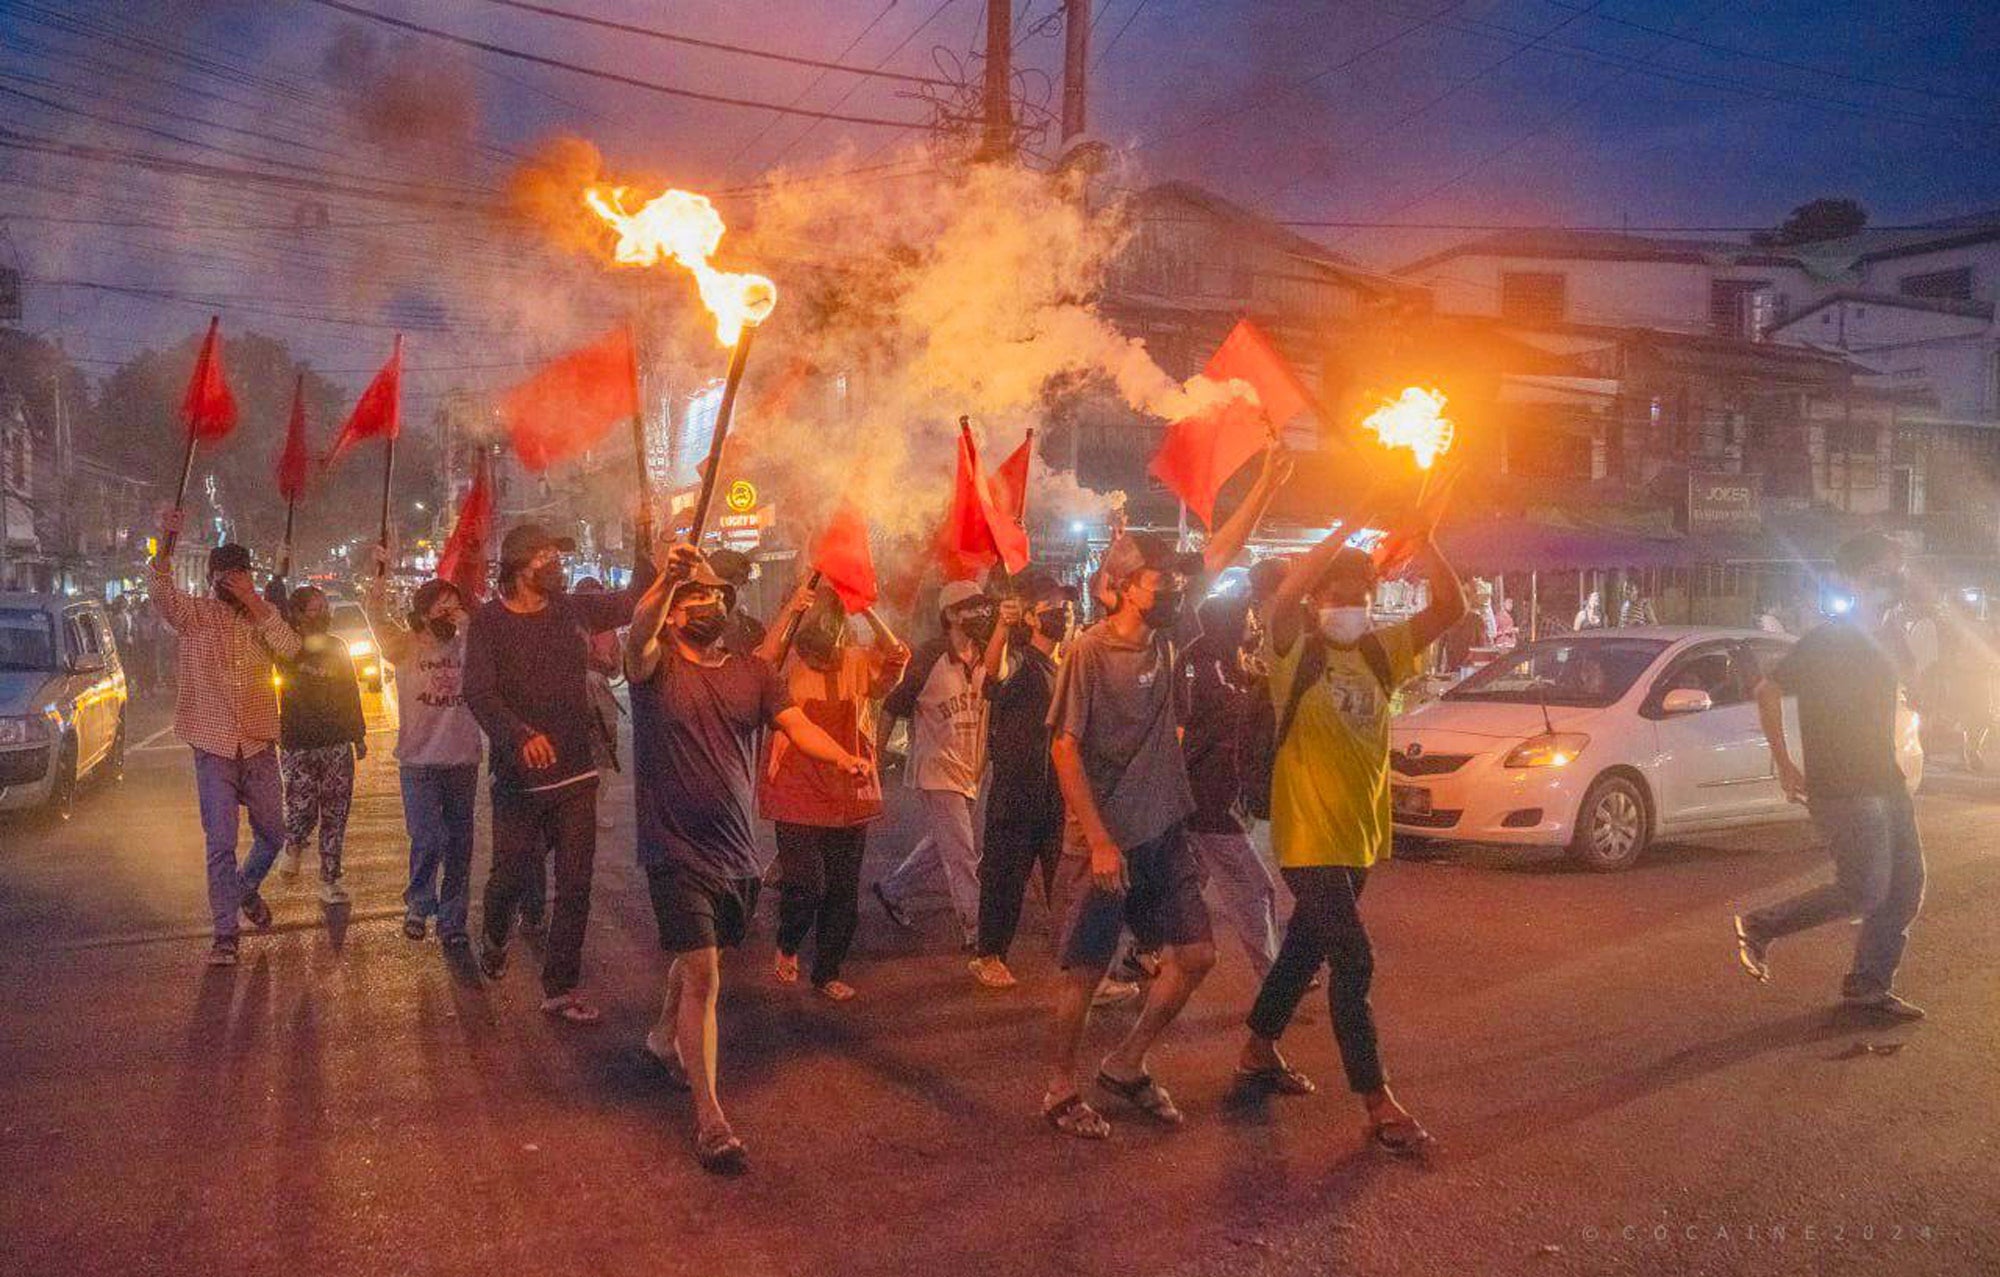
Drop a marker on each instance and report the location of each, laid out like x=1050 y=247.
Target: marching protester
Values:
x=1846 y=674
x=1126 y=861
x=1333 y=673
x=226 y=711
x=526 y=661
x=1023 y=802
x=606 y=658
x=821 y=810
x=744 y=634
x=697 y=713
x=321 y=735
x=437 y=752
x=941 y=696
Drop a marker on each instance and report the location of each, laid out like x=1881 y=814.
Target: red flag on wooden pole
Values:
x=1010 y=481
x=842 y=559
x=378 y=414
x=571 y=404
x=209 y=409
x=977 y=533
x=294 y=461
x=1201 y=452
x=463 y=560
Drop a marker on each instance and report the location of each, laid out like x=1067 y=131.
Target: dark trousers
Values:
x=819 y=890
x=1018 y=838
x=1326 y=928
x=525 y=828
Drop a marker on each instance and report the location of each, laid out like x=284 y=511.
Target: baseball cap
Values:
x=733 y=566
x=525 y=540
x=1134 y=552
x=956 y=593
x=704 y=575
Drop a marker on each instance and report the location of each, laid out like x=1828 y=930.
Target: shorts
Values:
x=698 y=911
x=1162 y=903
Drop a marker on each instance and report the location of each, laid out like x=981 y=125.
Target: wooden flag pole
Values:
x=643 y=525
x=285 y=550
x=388 y=478
x=180 y=497
x=793 y=621
x=739 y=357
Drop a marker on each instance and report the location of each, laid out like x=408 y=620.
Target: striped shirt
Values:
x=225 y=702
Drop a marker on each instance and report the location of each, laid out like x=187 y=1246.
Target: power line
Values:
x=1119 y=34
x=599 y=73
x=695 y=42
x=750 y=147
x=935 y=14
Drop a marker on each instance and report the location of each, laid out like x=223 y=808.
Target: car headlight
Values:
x=360 y=647
x=1554 y=749
x=24 y=731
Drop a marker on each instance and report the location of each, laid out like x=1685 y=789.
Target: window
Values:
x=1533 y=297
x=1740 y=308
x=1949 y=285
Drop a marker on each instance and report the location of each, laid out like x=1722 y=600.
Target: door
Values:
x=1714 y=764
x=81 y=688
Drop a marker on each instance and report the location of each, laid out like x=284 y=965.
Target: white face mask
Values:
x=1343 y=625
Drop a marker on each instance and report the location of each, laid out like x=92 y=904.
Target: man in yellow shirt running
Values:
x=1332 y=676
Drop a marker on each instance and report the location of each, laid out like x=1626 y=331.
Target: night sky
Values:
x=1703 y=113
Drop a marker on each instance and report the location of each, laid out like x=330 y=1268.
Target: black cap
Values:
x=229 y=557
x=732 y=566
x=525 y=540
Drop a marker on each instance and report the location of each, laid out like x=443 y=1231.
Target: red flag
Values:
x=378 y=414
x=1010 y=482
x=463 y=560
x=208 y=409
x=568 y=407
x=1201 y=452
x=293 y=461
x=1400 y=546
x=976 y=534
x=842 y=559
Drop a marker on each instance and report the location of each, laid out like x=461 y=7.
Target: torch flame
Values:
x=684 y=227
x=1415 y=420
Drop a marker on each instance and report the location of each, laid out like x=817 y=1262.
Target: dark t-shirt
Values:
x=1846 y=687
x=694 y=746
x=319 y=701
x=1121 y=702
x=1023 y=787
x=1218 y=705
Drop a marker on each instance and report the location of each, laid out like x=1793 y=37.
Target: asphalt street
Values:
x=1609 y=1092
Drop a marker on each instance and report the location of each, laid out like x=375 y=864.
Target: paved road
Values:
x=1611 y=1095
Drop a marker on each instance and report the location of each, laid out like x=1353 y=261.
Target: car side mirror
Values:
x=1686 y=700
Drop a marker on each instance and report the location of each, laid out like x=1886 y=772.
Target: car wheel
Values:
x=62 y=794
x=1612 y=827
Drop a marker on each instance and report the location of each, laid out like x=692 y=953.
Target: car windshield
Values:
x=27 y=639
x=1589 y=673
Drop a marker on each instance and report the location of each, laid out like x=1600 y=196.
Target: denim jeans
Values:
x=221 y=786
x=437 y=811
x=1878 y=876
x=526 y=826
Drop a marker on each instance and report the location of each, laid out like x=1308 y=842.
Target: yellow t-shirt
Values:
x=1330 y=780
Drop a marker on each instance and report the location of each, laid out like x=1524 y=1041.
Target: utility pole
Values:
x=999 y=139
x=1076 y=67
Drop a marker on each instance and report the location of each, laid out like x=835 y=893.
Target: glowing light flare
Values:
x=1415 y=420
x=684 y=228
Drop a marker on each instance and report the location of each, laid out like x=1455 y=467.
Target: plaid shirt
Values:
x=225 y=703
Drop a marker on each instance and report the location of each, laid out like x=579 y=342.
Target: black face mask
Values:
x=1053 y=625
x=551 y=579
x=1019 y=633
x=1165 y=607
x=978 y=626
x=442 y=628
x=703 y=625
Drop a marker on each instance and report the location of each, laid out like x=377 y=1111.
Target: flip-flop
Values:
x=1402 y=1136
x=720 y=1152
x=1146 y=1095
x=1279 y=1079
x=669 y=1060
x=1076 y=1119
x=835 y=990
x=571 y=1009
x=785 y=968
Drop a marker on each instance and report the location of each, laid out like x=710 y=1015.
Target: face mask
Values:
x=1166 y=605
x=1343 y=625
x=551 y=579
x=442 y=628
x=1053 y=625
x=978 y=626
x=703 y=625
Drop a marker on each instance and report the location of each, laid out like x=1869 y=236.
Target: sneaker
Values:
x=1753 y=951
x=332 y=893
x=256 y=910
x=288 y=864
x=1112 y=992
x=414 y=927
x=893 y=910
x=1886 y=1005
x=492 y=961
x=223 y=952
x=992 y=973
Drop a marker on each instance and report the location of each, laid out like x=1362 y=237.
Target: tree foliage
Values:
x=1817 y=221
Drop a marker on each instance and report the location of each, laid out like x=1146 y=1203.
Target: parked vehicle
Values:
x=1602 y=742
x=62 y=701
x=350 y=625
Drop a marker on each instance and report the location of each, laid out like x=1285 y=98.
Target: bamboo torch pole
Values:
x=713 y=470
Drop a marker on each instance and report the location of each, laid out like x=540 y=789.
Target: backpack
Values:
x=1266 y=729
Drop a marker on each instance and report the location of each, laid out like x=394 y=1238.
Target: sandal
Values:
x=1402 y=1135
x=720 y=1152
x=571 y=1008
x=668 y=1057
x=1279 y=1079
x=785 y=967
x=1075 y=1118
x=1146 y=1095
x=835 y=990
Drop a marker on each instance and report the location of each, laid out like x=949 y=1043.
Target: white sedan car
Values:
x=1600 y=742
